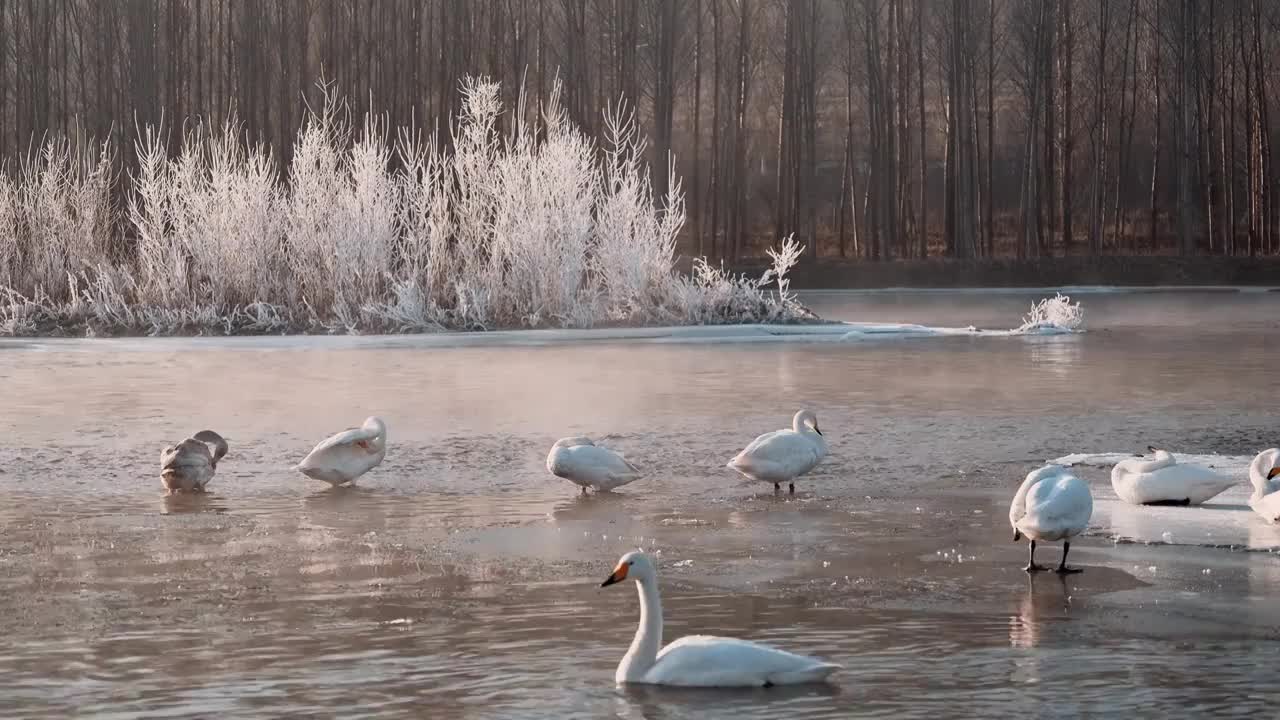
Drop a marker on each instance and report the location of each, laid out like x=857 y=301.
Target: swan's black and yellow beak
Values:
x=1151 y=448
x=815 y=429
x=1274 y=472
x=1017 y=535
x=619 y=574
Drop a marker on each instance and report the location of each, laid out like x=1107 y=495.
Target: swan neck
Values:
x=1018 y=508
x=1258 y=470
x=643 y=652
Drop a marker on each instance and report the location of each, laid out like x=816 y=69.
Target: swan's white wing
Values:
x=710 y=661
x=344 y=456
x=346 y=437
x=576 y=440
x=1057 y=507
x=188 y=453
x=754 y=445
x=592 y=465
x=601 y=459
x=778 y=456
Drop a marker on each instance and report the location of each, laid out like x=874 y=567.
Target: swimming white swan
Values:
x=1051 y=505
x=1264 y=473
x=783 y=455
x=584 y=463
x=189 y=466
x=346 y=456
x=1164 y=481
x=700 y=660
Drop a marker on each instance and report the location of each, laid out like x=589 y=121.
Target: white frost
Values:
x=370 y=232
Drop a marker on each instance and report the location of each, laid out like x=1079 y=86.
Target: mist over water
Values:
x=461 y=580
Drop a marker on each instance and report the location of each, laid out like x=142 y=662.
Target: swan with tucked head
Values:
x=189 y=465
x=582 y=462
x=347 y=455
x=783 y=455
x=1162 y=480
x=700 y=660
x=1264 y=474
x=1052 y=504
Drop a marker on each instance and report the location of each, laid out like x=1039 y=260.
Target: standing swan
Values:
x=584 y=463
x=700 y=660
x=1051 y=505
x=1164 y=481
x=783 y=455
x=189 y=466
x=1264 y=473
x=346 y=456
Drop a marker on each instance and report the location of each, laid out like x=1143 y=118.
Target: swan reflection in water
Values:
x=654 y=702
x=199 y=502
x=1037 y=609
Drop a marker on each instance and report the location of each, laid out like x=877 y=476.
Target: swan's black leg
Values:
x=1031 y=560
x=793 y=488
x=777 y=487
x=1062 y=566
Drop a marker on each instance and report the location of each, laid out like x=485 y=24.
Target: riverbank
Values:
x=1131 y=271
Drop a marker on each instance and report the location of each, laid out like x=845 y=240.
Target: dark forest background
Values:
x=874 y=129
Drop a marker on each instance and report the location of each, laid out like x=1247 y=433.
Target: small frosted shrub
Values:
x=1055 y=313
x=55 y=217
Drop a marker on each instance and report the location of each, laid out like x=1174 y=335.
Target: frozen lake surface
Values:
x=460 y=580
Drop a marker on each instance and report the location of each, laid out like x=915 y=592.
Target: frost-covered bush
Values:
x=1056 y=313
x=537 y=227
x=55 y=218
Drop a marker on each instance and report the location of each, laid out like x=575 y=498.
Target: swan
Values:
x=1264 y=473
x=783 y=455
x=347 y=455
x=1164 y=481
x=189 y=466
x=1052 y=504
x=700 y=660
x=582 y=462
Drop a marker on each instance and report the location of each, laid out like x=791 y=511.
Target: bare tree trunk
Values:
x=811 y=131
x=1099 y=139
x=1125 y=130
x=1186 y=203
x=991 y=126
x=716 y=95
x=743 y=94
x=786 y=121
x=696 y=199
x=1065 y=140
x=923 y=240
x=1155 y=138
x=664 y=93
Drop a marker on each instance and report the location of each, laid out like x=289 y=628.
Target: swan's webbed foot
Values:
x=1033 y=568
x=792 y=487
x=777 y=487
